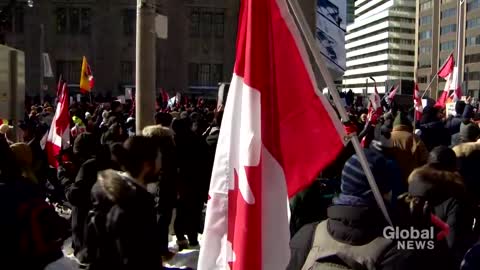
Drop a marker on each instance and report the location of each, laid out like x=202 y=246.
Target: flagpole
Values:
x=430 y=84
x=436 y=75
x=310 y=40
x=459 y=42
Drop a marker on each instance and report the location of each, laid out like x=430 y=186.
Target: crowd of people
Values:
x=122 y=189
x=426 y=172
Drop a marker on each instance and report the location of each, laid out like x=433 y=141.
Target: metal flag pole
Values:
x=459 y=42
x=430 y=84
x=314 y=49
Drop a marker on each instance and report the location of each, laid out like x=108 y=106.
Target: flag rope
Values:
x=307 y=34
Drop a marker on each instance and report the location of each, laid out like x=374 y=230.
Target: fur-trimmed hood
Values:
x=466 y=149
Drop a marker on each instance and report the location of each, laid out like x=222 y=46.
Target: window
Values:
x=475 y=75
x=472 y=58
x=473 y=4
x=61 y=20
x=217 y=73
x=422 y=79
x=424 y=63
x=448 y=29
x=13 y=22
x=473 y=23
x=472 y=41
x=195 y=22
x=448 y=13
x=425 y=35
x=129 y=20
x=219 y=21
x=447 y=46
x=73 y=20
x=85 y=21
x=205 y=74
x=426 y=5
x=18 y=19
x=206 y=23
x=446 y=1
x=69 y=70
x=127 y=71
x=424 y=49
x=426 y=20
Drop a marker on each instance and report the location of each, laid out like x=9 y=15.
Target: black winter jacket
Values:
x=130 y=240
x=78 y=195
x=358 y=226
x=435 y=134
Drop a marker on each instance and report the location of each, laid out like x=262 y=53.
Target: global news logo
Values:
x=415 y=239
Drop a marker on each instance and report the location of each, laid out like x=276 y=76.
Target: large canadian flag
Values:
x=59 y=135
x=277 y=134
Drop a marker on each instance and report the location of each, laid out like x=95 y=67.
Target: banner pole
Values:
x=314 y=49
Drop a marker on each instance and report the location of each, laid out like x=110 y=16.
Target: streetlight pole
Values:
x=145 y=65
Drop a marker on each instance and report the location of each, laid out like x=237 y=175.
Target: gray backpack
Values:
x=329 y=254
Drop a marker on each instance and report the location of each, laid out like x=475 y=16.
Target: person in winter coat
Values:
x=453 y=121
x=122 y=231
x=167 y=188
x=468 y=156
x=78 y=188
x=352 y=236
x=24 y=158
x=469 y=132
x=445 y=193
x=194 y=182
x=408 y=149
x=31 y=232
x=433 y=131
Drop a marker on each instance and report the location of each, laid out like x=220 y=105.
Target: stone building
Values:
x=198 y=53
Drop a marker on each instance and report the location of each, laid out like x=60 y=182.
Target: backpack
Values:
x=40 y=232
x=329 y=254
x=94 y=233
x=100 y=250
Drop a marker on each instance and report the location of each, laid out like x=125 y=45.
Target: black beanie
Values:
x=402 y=119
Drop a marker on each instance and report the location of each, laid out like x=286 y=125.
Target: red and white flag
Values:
x=447 y=67
x=447 y=72
x=417 y=102
x=59 y=135
x=375 y=109
x=268 y=150
x=391 y=94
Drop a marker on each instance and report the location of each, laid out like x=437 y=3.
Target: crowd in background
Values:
x=122 y=189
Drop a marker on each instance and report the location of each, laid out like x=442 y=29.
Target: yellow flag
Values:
x=86 y=77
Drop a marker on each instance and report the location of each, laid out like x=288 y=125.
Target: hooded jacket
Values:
x=129 y=237
x=352 y=225
x=468 y=158
x=446 y=194
x=408 y=150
